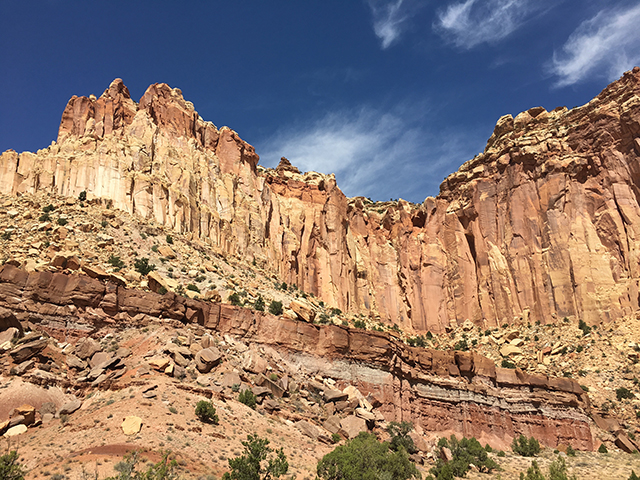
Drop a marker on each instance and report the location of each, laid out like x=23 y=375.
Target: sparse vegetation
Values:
x=163 y=470
x=365 y=458
x=193 y=288
x=206 y=412
x=259 y=304
x=169 y=239
x=507 y=363
x=526 y=447
x=143 y=266
x=624 y=393
x=248 y=398
x=10 y=469
x=465 y=452
x=83 y=196
x=275 y=308
x=586 y=329
x=116 y=262
x=252 y=466
x=234 y=299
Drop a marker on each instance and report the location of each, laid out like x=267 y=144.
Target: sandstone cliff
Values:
x=543 y=224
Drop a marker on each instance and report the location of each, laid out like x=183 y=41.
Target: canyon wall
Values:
x=544 y=224
x=441 y=392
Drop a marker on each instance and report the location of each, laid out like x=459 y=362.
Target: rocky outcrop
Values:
x=440 y=391
x=543 y=224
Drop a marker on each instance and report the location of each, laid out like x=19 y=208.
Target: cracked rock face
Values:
x=543 y=224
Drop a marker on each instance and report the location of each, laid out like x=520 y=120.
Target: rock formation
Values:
x=543 y=224
x=439 y=391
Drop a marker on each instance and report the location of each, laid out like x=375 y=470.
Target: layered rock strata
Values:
x=543 y=224
x=440 y=391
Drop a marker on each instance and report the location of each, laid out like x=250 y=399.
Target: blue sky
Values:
x=391 y=96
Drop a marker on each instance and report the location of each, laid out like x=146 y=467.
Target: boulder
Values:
x=253 y=362
x=508 y=350
x=17 y=430
x=331 y=395
x=353 y=425
x=308 y=429
x=28 y=412
x=75 y=363
x=26 y=351
x=303 y=311
x=230 y=379
x=70 y=407
x=131 y=425
x=332 y=424
x=8 y=335
x=87 y=348
x=207 y=358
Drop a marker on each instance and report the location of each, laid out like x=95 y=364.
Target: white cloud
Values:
x=607 y=44
x=375 y=154
x=472 y=22
x=390 y=18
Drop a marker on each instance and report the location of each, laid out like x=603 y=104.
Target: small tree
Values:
x=275 y=308
x=465 y=452
x=163 y=470
x=259 y=304
x=250 y=466
x=83 y=196
x=533 y=473
x=365 y=458
x=526 y=447
x=9 y=467
x=143 y=266
x=248 y=398
x=558 y=470
x=400 y=436
x=206 y=412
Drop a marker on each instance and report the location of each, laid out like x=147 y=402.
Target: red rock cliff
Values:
x=544 y=223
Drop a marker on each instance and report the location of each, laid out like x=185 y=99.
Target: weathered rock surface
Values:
x=541 y=224
x=440 y=391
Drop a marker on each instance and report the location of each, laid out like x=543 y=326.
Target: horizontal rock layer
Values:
x=440 y=391
x=544 y=223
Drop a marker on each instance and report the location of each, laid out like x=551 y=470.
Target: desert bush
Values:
x=359 y=324
x=365 y=458
x=526 y=447
x=234 y=299
x=206 y=412
x=143 y=266
x=623 y=392
x=163 y=470
x=62 y=221
x=251 y=465
x=248 y=398
x=193 y=288
x=275 y=308
x=259 y=304
x=570 y=451
x=507 y=364
x=10 y=469
x=115 y=261
x=586 y=329
x=465 y=452
x=602 y=448
x=400 y=436
x=169 y=239
x=83 y=196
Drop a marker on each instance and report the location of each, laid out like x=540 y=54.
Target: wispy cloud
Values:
x=376 y=154
x=605 y=45
x=390 y=18
x=472 y=22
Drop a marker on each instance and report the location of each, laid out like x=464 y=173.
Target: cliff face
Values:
x=439 y=391
x=544 y=223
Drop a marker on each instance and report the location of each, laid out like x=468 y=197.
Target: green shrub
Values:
x=248 y=398
x=45 y=217
x=104 y=223
x=259 y=304
x=487 y=448
x=48 y=209
x=462 y=345
x=570 y=451
x=533 y=473
x=10 y=469
x=193 y=288
x=400 y=437
x=359 y=324
x=586 y=329
x=465 y=452
x=507 y=364
x=501 y=453
x=273 y=377
x=602 y=448
x=526 y=447
x=154 y=248
x=169 y=239
x=633 y=476
x=83 y=196
x=335 y=438
x=143 y=266
x=365 y=458
x=163 y=470
x=275 y=308
x=558 y=470
x=62 y=221
x=206 y=412
x=116 y=262
x=623 y=392
x=234 y=299
x=250 y=466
